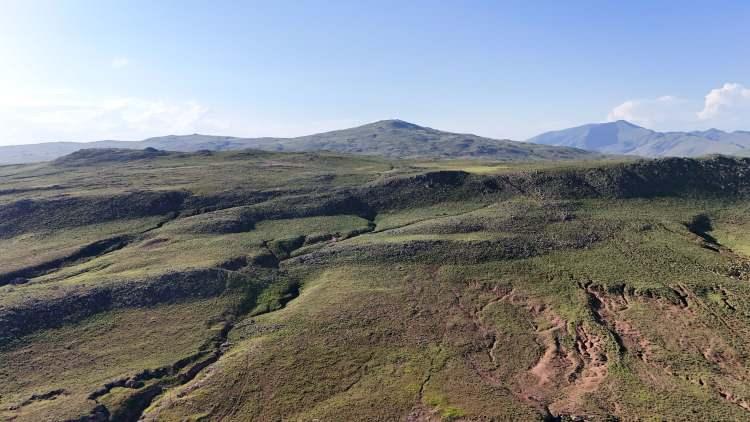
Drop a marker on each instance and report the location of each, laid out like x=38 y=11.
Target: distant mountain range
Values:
x=388 y=138
x=622 y=137
x=399 y=139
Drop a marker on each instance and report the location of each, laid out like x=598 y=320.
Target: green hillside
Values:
x=252 y=285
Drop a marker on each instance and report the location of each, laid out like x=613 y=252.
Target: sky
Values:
x=91 y=70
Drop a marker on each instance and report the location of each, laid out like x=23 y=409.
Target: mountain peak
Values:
x=395 y=138
x=626 y=124
x=713 y=132
x=395 y=124
x=623 y=137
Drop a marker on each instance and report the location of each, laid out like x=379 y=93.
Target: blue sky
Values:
x=89 y=70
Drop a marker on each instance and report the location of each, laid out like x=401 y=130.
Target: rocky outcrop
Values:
x=91 y=250
x=50 y=214
x=96 y=156
x=75 y=306
x=716 y=176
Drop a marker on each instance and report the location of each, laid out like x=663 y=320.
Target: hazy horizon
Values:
x=334 y=129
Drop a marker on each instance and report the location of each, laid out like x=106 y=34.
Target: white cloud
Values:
x=726 y=108
x=653 y=112
x=66 y=115
x=732 y=100
x=119 y=62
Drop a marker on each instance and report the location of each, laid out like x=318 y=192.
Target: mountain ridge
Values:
x=393 y=139
x=623 y=137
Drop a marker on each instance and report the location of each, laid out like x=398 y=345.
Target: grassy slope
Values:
x=404 y=329
x=508 y=308
x=80 y=358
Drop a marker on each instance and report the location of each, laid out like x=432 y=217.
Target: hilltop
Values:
x=399 y=139
x=387 y=138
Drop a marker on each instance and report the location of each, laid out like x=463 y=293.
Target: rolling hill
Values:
x=387 y=138
x=622 y=137
x=262 y=286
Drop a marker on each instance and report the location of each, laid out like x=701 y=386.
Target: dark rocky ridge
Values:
x=94 y=156
x=76 y=306
x=717 y=176
x=26 y=215
x=91 y=250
